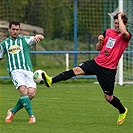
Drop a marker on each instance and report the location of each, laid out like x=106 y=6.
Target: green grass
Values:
x=74 y=106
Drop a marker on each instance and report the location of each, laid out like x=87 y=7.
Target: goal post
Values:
x=120 y=65
x=125 y=67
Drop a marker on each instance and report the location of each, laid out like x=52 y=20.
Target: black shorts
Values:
x=105 y=76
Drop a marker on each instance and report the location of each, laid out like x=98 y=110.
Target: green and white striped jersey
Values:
x=18 y=52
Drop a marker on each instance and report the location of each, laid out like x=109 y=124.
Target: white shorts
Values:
x=22 y=77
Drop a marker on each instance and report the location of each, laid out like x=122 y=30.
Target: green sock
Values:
x=17 y=107
x=27 y=104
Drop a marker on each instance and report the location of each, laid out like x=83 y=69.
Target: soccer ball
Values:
x=37 y=76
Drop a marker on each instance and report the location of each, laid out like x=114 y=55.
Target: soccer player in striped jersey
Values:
x=111 y=45
x=17 y=49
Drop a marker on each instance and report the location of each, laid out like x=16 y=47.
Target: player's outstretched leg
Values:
x=10 y=116
x=122 y=117
x=47 y=79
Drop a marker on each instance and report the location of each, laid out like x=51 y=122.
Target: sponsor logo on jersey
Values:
x=14 y=49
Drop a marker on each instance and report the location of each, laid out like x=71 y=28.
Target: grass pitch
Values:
x=74 y=106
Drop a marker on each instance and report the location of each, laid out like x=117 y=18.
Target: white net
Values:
x=128 y=56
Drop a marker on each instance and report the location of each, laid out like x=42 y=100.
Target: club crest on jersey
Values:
x=14 y=49
x=110 y=43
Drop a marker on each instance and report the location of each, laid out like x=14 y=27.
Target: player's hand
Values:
x=120 y=14
x=38 y=38
x=100 y=38
x=100 y=41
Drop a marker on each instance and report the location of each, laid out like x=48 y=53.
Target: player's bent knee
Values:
x=78 y=71
x=31 y=93
x=31 y=96
x=108 y=97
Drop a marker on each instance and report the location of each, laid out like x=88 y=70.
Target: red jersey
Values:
x=114 y=45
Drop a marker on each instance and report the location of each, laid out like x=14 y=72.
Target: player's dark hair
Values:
x=124 y=18
x=15 y=22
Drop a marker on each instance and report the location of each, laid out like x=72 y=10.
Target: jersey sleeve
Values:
x=1 y=52
x=30 y=40
x=104 y=33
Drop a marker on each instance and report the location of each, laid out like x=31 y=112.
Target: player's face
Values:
x=14 y=31
x=116 y=25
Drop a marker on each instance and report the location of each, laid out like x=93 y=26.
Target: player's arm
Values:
x=38 y=38
x=1 y=53
x=99 y=44
x=122 y=26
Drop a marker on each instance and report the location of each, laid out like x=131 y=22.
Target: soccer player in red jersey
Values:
x=111 y=45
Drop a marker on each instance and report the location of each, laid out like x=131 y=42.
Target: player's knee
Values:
x=108 y=97
x=23 y=90
x=78 y=71
x=31 y=95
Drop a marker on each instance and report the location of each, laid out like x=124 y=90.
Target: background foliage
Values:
x=57 y=16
